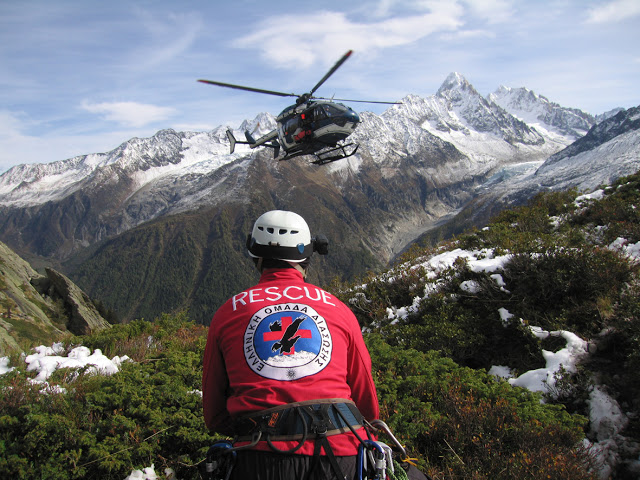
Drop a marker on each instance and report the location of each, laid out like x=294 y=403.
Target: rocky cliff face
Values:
x=609 y=150
x=36 y=307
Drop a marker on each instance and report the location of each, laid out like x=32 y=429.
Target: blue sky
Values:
x=79 y=77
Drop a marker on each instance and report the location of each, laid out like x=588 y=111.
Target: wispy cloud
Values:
x=614 y=11
x=129 y=114
x=12 y=139
x=18 y=146
x=166 y=37
x=492 y=11
x=293 y=40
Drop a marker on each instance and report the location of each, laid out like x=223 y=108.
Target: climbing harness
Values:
x=300 y=421
x=314 y=420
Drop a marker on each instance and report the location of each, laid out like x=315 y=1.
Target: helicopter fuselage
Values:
x=315 y=125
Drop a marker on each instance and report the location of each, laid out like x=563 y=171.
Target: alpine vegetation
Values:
x=509 y=352
x=544 y=298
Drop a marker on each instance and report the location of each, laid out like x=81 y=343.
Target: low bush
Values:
x=567 y=288
x=463 y=423
x=83 y=426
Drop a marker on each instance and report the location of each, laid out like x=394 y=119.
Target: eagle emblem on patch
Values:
x=287 y=341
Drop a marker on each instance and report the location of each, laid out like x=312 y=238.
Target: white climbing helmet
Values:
x=280 y=235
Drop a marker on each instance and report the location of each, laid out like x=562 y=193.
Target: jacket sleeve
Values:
x=214 y=386
x=359 y=378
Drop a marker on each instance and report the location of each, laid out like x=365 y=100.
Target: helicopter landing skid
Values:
x=337 y=153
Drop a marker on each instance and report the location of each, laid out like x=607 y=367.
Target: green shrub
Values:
x=463 y=423
x=567 y=288
x=103 y=427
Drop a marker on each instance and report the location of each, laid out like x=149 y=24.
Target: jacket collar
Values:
x=281 y=274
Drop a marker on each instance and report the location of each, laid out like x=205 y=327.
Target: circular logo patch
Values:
x=287 y=341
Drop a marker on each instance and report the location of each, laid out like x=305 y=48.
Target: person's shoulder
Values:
x=231 y=304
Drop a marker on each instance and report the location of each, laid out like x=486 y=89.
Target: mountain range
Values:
x=159 y=223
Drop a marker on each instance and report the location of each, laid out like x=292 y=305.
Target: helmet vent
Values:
x=282 y=235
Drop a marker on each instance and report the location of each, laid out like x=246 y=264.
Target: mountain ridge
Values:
x=185 y=150
x=419 y=163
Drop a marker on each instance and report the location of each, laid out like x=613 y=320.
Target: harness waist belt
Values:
x=295 y=421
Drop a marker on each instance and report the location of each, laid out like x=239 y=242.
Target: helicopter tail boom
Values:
x=253 y=143
x=272 y=135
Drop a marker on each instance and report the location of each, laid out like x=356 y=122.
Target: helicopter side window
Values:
x=307 y=117
x=320 y=113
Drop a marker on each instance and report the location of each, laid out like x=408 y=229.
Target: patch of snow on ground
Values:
x=543 y=379
x=607 y=421
x=4 y=365
x=45 y=361
x=500 y=371
x=149 y=473
x=595 y=195
x=621 y=244
x=505 y=316
x=478 y=261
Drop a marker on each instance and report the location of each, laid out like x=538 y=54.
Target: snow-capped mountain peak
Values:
x=490 y=131
x=542 y=114
x=262 y=124
x=456 y=87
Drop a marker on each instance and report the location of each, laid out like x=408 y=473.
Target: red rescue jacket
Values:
x=285 y=341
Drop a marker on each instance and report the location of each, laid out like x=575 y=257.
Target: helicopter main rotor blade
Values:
x=359 y=101
x=249 y=89
x=332 y=71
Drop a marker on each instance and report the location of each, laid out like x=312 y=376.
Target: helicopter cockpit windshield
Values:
x=326 y=111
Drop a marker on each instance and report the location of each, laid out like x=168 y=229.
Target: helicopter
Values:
x=312 y=126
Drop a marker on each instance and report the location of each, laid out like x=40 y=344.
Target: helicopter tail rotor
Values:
x=233 y=141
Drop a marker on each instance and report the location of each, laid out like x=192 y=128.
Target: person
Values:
x=286 y=370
